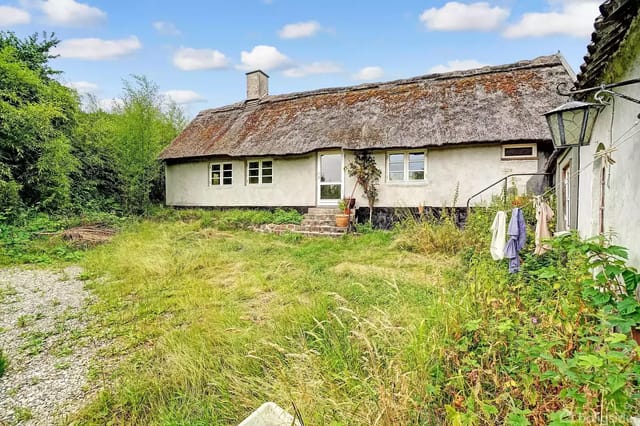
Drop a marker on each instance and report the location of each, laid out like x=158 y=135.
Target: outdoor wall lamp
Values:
x=571 y=124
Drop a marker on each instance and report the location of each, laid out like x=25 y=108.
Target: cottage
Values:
x=598 y=183
x=431 y=136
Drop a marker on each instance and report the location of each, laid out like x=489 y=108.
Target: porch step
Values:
x=323 y=211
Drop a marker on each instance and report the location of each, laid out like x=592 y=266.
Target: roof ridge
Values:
x=538 y=62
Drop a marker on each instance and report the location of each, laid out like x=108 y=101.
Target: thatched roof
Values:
x=486 y=105
x=611 y=28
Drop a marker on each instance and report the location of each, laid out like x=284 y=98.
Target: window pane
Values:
x=227 y=174
x=227 y=166
x=253 y=179
x=396 y=167
x=416 y=175
x=254 y=165
x=253 y=172
x=525 y=151
x=215 y=179
x=396 y=176
x=416 y=166
x=330 y=192
x=396 y=158
x=215 y=167
x=266 y=164
x=227 y=181
x=267 y=172
x=331 y=168
x=267 y=179
x=416 y=157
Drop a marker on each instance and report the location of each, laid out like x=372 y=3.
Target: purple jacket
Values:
x=517 y=232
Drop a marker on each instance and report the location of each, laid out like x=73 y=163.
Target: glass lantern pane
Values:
x=572 y=121
x=552 y=120
x=591 y=119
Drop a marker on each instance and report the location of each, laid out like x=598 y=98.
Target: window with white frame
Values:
x=221 y=174
x=259 y=172
x=527 y=151
x=406 y=166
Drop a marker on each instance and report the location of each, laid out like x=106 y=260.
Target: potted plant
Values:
x=342 y=219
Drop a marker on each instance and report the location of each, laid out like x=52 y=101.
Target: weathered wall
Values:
x=470 y=169
x=622 y=190
x=294 y=182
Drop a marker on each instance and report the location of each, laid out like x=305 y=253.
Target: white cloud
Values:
x=83 y=87
x=573 y=18
x=457 y=65
x=313 y=68
x=183 y=97
x=188 y=59
x=299 y=30
x=166 y=28
x=10 y=16
x=96 y=49
x=109 y=105
x=263 y=58
x=455 y=16
x=72 y=13
x=369 y=73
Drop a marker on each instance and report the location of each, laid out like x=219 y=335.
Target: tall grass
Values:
x=205 y=324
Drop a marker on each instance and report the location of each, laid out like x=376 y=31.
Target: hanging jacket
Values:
x=498 y=235
x=543 y=215
x=517 y=238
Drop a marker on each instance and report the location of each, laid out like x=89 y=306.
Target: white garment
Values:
x=499 y=233
x=543 y=215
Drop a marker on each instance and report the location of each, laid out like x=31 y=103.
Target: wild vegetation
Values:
x=209 y=323
x=207 y=320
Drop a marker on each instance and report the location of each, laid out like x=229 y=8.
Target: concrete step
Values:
x=316 y=222
x=322 y=228
x=320 y=234
x=323 y=210
x=314 y=216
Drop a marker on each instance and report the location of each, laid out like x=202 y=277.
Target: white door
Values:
x=330 y=176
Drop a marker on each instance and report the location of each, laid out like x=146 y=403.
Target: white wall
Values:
x=294 y=180
x=622 y=192
x=472 y=167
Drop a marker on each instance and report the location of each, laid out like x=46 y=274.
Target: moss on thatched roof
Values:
x=487 y=105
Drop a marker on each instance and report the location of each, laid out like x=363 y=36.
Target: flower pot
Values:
x=342 y=220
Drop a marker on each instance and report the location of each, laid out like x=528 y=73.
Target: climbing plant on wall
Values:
x=364 y=168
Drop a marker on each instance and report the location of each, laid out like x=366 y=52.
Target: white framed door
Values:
x=330 y=177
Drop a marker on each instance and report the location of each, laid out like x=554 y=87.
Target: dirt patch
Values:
x=88 y=235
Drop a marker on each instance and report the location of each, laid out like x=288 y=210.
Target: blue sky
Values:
x=198 y=51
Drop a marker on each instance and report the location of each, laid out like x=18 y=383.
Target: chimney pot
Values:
x=257 y=85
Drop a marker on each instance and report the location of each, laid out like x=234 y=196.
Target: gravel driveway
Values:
x=42 y=324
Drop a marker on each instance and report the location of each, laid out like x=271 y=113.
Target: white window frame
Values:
x=222 y=177
x=405 y=174
x=260 y=169
x=533 y=156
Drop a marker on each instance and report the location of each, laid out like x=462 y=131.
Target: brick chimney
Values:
x=257 y=85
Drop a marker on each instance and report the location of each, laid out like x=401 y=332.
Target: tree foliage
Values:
x=55 y=157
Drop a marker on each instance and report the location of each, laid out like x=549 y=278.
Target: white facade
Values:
x=297 y=181
x=609 y=193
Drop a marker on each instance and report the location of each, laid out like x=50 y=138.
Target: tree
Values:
x=34 y=51
x=146 y=123
x=38 y=115
x=363 y=167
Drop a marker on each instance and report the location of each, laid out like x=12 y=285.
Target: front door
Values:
x=330 y=174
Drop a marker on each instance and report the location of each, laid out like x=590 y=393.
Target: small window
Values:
x=519 y=152
x=221 y=174
x=406 y=166
x=260 y=172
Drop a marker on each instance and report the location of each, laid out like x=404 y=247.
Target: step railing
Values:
x=504 y=182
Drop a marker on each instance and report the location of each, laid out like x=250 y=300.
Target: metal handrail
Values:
x=504 y=179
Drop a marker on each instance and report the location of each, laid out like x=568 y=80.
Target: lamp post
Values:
x=571 y=124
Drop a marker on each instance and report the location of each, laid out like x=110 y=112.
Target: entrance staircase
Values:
x=321 y=221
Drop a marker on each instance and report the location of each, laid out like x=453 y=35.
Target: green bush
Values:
x=430 y=236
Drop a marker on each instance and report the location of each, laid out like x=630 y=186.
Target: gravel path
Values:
x=42 y=323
